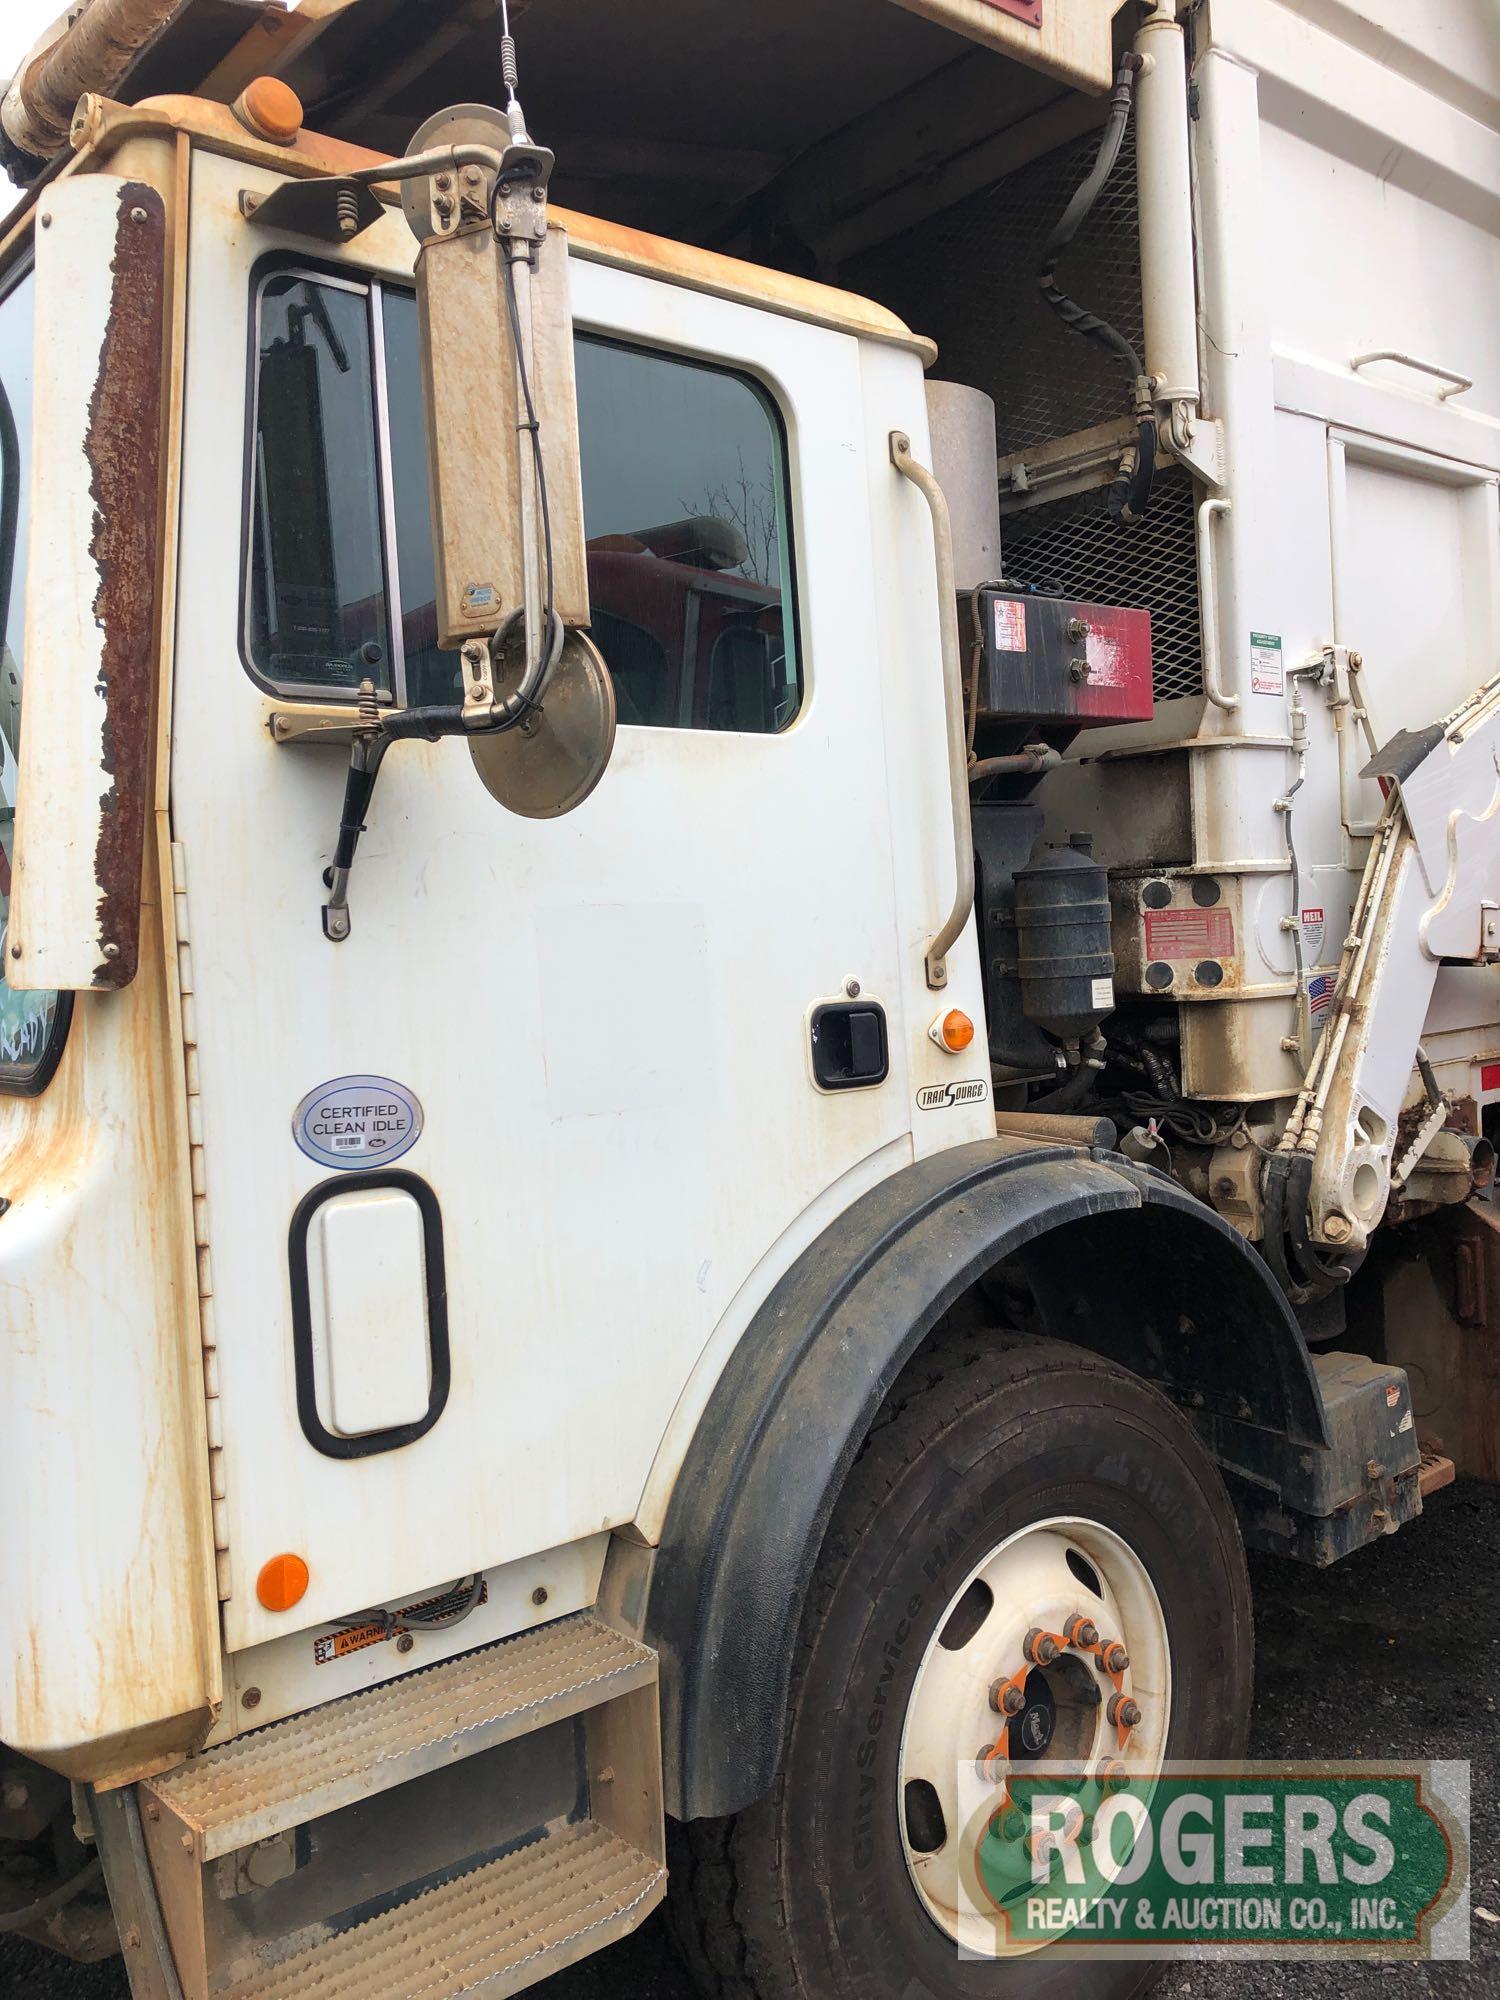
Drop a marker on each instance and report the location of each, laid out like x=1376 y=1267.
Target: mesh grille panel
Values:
x=1074 y=547
x=968 y=277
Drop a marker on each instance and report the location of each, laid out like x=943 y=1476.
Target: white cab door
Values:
x=600 y=1022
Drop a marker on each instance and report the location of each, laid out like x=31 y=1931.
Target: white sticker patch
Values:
x=1010 y=625
x=941 y=1096
x=1102 y=993
x=1314 y=927
x=1267 y=675
x=357 y=1121
x=1106 y=658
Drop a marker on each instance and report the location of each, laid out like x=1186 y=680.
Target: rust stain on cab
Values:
x=123 y=451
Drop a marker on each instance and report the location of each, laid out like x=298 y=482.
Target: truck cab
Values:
x=545 y=1297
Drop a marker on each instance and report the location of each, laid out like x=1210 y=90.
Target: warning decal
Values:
x=1010 y=625
x=1189 y=934
x=354 y=1638
x=334 y=1645
x=1266 y=671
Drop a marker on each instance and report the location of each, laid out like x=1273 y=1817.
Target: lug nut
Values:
x=1123 y=1710
x=1010 y=1824
x=1115 y=1659
x=1081 y=1631
x=991 y=1767
x=1039 y=1647
x=1006 y=1698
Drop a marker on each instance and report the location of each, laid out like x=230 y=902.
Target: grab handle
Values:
x=953 y=701
x=1457 y=383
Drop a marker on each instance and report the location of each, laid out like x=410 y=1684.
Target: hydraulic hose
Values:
x=1079 y=1086
x=1131 y=490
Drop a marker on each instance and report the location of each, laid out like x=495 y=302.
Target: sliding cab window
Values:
x=32 y=1025
x=685 y=513
x=340 y=586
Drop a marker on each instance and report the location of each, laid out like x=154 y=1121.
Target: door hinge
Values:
x=213 y=1410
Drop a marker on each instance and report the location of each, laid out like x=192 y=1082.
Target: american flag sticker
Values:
x=1319 y=993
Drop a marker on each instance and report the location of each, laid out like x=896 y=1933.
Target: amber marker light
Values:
x=952 y=1031
x=282 y=1583
x=270 y=109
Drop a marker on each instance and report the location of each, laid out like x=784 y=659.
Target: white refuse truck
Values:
x=752 y=887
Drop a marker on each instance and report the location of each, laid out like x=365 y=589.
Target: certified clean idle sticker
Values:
x=357 y=1121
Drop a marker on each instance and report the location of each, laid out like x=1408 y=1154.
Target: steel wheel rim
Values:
x=1032 y=1587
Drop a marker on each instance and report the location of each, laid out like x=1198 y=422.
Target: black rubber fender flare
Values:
x=798 y=1396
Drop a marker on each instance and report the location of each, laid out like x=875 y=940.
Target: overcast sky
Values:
x=21 y=21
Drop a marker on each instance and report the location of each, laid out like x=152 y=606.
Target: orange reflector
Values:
x=954 y=1032
x=270 y=109
x=282 y=1583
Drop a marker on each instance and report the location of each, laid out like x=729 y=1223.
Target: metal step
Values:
x=493 y=1931
x=312 y=1764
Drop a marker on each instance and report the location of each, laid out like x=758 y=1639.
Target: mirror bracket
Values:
x=331 y=210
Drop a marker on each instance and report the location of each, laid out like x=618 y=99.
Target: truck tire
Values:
x=996 y=1458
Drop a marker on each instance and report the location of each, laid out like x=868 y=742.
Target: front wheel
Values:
x=1012 y=1488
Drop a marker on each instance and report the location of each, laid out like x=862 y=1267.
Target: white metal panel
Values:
x=82 y=754
x=1415 y=556
x=1363 y=265
x=107 y=1575
x=107 y=1595
x=367 y=1292
x=624 y=1141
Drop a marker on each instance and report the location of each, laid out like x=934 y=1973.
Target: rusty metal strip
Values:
x=123 y=448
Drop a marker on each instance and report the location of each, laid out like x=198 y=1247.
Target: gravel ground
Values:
x=1394 y=1653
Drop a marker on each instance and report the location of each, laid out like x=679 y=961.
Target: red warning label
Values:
x=1189 y=934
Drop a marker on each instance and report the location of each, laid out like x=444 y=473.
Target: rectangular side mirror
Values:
x=92 y=584
x=469 y=377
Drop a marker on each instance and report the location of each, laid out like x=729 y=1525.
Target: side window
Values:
x=340 y=587
x=32 y=1025
x=318 y=612
x=685 y=511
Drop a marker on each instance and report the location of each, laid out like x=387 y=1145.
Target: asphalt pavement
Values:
x=1393 y=1653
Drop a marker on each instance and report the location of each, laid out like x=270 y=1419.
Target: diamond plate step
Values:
x=313 y=1764
x=494 y=1931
